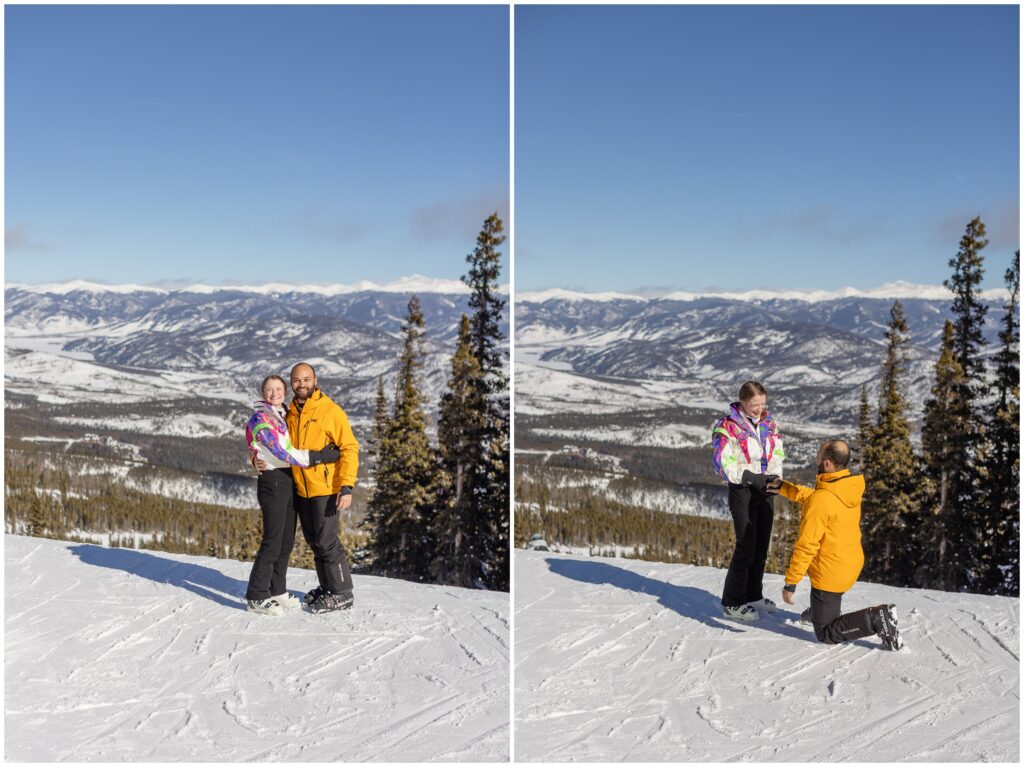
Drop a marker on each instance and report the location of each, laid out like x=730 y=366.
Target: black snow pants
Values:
x=274 y=491
x=752 y=515
x=830 y=625
x=319 y=519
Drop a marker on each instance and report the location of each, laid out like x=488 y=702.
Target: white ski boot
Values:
x=265 y=606
x=744 y=613
x=764 y=605
x=288 y=601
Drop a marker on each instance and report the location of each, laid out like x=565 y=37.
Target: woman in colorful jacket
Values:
x=266 y=433
x=748 y=455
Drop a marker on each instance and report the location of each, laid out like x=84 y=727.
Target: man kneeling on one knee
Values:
x=828 y=548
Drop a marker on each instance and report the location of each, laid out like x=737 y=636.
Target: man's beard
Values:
x=821 y=468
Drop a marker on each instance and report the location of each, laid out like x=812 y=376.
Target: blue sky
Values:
x=699 y=148
x=252 y=144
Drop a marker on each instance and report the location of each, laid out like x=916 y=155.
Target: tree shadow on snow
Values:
x=696 y=604
x=204 y=581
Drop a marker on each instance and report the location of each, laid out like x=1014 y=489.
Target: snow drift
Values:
x=623 y=660
x=124 y=655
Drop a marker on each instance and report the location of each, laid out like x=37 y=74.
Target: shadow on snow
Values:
x=696 y=604
x=204 y=581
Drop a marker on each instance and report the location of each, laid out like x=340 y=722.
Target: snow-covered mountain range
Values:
x=813 y=354
x=627 y=661
x=116 y=655
x=637 y=382
x=350 y=333
x=177 y=366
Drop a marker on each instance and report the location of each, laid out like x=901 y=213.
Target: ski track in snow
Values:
x=621 y=660
x=123 y=655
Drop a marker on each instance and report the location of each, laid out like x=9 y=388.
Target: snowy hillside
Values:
x=121 y=655
x=620 y=660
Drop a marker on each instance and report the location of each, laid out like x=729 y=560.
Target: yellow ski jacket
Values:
x=828 y=546
x=320 y=423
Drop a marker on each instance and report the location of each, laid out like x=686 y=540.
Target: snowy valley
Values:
x=616 y=394
x=154 y=384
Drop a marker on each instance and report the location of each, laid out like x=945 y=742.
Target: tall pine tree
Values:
x=864 y=428
x=944 y=564
x=401 y=507
x=965 y=491
x=462 y=530
x=891 y=470
x=491 y=466
x=1000 y=545
x=377 y=447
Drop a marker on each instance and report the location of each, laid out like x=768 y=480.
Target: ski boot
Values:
x=884 y=622
x=265 y=606
x=328 y=602
x=765 y=605
x=287 y=601
x=744 y=613
x=313 y=595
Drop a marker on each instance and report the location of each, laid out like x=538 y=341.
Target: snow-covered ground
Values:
x=122 y=655
x=631 y=661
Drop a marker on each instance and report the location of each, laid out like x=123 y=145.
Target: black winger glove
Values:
x=329 y=454
x=757 y=481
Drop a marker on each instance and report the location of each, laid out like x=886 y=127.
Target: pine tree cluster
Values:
x=949 y=517
x=440 y=514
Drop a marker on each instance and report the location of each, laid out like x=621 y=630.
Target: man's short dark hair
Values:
x=301 y=364
x=838 y=452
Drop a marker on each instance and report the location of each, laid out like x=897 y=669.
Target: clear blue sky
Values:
x=738 y=147
x=253 y=144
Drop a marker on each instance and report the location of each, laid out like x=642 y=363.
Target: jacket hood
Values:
x=848 y=488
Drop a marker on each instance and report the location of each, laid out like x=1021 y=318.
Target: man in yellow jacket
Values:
x=315 y=421
x=828 y=548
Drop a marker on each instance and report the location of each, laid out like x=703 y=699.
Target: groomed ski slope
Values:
x=622 y=660
x=123 y=655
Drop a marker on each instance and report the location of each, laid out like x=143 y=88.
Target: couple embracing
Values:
x=307 y=457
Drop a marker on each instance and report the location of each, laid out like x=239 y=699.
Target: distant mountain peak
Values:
x=888 y=291
x=415 y=283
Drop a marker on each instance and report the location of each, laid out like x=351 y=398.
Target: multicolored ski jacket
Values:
x=266 y=431
x=738 y=447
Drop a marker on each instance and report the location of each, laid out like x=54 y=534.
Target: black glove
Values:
x=770 y=486
x=332 y=507
x=329 y=454
x=756 y=481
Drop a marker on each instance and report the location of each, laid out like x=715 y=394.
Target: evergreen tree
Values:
x=968 y=310
x=38 y=514
x=487 y=340
x=1001 y=539
x=373 y=520
x=491 y=465
x=943 y=563
x=407 y=477
x=965 y=491
x=461 y=529
x=891 y=470
x=864 y=427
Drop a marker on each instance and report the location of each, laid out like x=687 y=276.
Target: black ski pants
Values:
x=752 y=515
x=830 y=625
x=319 y=519
x=275 y=492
